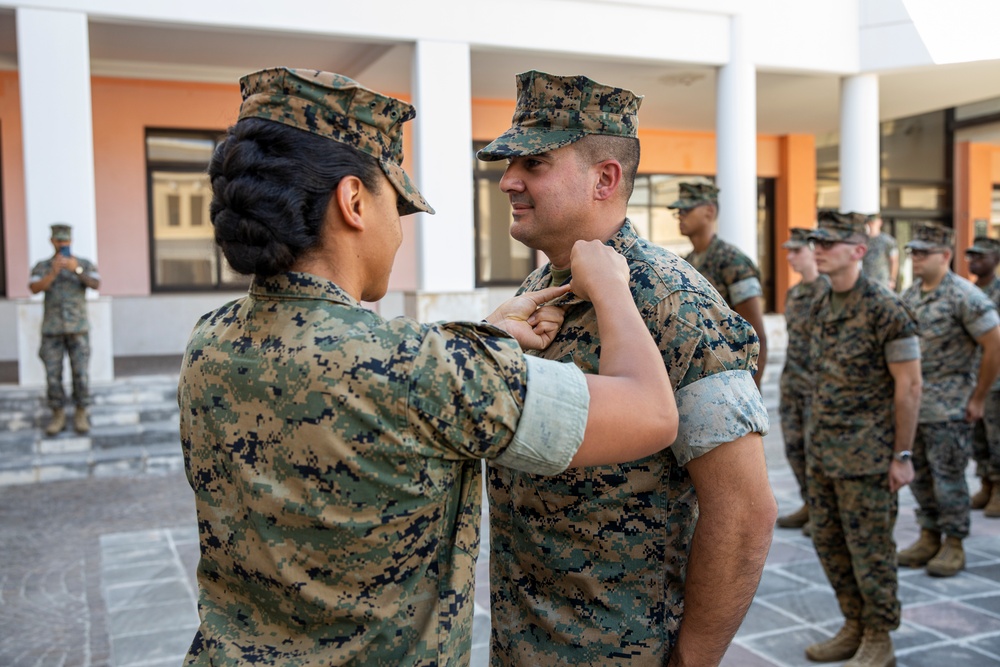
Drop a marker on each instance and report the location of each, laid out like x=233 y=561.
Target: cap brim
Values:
x=821 y=234
x=922 y=245
x=519 y=141
x=794 y=244
x=410 y=200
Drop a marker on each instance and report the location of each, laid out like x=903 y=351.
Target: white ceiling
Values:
x=676 y=96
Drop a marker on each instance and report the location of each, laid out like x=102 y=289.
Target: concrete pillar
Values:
x=736 y=144
x=53 y=59
x=860 y=183
x=442 y=94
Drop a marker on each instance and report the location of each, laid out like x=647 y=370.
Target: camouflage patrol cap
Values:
x=338 y=108
x=799 y=237
x=931 y=236
x=695 y=194
x=984 y=245
x=62 y=232
x=555 y=111
x=834 y=226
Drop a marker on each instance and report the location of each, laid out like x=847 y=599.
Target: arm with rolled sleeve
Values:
x=719 y=441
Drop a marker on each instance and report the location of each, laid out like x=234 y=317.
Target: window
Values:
x=183 y=253
x=500 y=260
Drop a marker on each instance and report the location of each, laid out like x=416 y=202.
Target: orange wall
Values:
x=977 y=168
x=15 y=228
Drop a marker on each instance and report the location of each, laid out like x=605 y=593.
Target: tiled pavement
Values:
x=101 y=572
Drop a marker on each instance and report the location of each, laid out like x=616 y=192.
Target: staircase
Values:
x=134 y=430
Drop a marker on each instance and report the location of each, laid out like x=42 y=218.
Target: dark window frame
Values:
x=152 y=166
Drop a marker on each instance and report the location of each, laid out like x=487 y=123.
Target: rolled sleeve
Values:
x=715 y=410
x=553 y=419
x=902 y=349
x=982 y=324
x=744 y=289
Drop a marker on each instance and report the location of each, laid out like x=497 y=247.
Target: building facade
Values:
x=109 y=110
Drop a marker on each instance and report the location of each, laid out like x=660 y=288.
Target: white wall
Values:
x=160 y=324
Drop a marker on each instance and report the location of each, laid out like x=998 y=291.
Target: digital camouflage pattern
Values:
x=951 y=316
x=555 y=111
x=61 y=232
x=986 y=433
x=334 y=457
x=65 y=328
x=851 y=442
x=52 y=351
x=338 y=108
x=836 y=226
x=930 y=236
x=730 y=271
x=852 y=431
x=65 y=306
x=852 y=520
x=940 y=456
x=695 y=194
x=798 y=237
x=588 y=567
x=796 y=384
x=877 y=261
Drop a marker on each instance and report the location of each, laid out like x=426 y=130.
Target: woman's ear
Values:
x=349 y=201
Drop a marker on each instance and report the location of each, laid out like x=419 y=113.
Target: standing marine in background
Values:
x=727 y=267
x=65 y=328
x=797 y=382
x=983 y=257
x=954 y=318
x=881 y=261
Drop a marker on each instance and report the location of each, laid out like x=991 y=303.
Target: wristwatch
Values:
x=903 y=456
x=79 y=270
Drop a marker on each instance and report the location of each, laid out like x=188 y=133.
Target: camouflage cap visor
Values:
x=63 y=234
x=519 y=141
x=920 y=244
x=336 y=107
x=684 y=204
x=986 y=246
x=795 y=243
x=835 y=234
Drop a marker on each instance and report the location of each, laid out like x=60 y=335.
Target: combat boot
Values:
x=875 y=651
x=950 y=560
x=58 y=422
x=841 y=646
x=81 y=421
x=921 y=551
x=981 y=497
x=992 y=508
x=796 y=519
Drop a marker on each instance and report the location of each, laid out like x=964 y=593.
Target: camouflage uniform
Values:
x=335 y=456
x=729 y=270
x=65 y=331
x=876 y=263
x=796 y=384
x=852 y=434
x=986 y=432
x=588 y=567
x=952 y=316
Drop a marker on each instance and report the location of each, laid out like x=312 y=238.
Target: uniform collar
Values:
x=622 y=242
x=852 y=303
x=294 y=285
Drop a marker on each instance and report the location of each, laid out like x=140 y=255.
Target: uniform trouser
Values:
x=852 y=523
x=986 y=439
x=940 y=457
x=793 y=409
x=77 y=346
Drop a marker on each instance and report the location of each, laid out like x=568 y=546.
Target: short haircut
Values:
x=595 y=148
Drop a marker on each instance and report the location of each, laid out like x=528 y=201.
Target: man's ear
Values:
x=609 y=177
x=349 y=202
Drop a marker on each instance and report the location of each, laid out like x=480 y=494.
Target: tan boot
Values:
x=949 y=561
x=81 y=421
x=58 y=422
x=981 y=497
x=921 y=551
x=875 y=651
x=796 y=519
x=992 y=508
x=841 y=646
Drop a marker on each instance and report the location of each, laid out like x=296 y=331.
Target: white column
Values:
x=442 y=94
x=53 y=62
x=860 y=182
x=736 y=144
